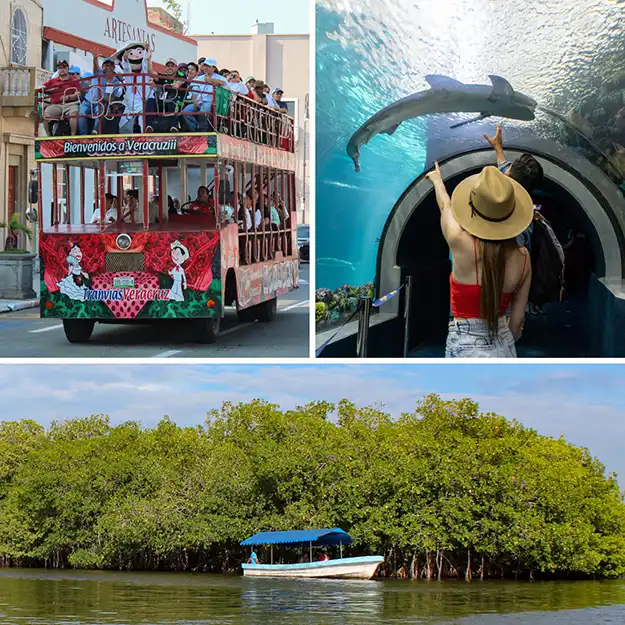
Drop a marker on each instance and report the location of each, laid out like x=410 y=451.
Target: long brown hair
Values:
x=494 y=255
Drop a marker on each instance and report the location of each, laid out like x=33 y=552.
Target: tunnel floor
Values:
x=562 y=331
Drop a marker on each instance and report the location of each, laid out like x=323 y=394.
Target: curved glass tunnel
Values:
x=382 y=224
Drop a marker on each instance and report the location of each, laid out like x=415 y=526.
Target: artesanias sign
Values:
x=89 y=24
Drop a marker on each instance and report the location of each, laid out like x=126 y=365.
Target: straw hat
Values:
x=492 y=206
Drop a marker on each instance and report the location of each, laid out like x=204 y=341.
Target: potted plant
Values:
x=16 y=265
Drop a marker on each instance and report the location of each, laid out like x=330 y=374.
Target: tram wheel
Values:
x=247 y=315
x=267 y=311
x=205 y=330
x=78 y=330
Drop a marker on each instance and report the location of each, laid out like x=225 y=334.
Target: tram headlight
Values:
x=123 y=242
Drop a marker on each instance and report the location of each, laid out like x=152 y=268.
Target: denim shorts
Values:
x=468 y=338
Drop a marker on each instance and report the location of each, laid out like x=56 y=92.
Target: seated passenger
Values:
x=64 y=95
x=211 y=80
x=227 y=211
x=190 y=98
x=111 y=211
x=132 y=213
x=161 y=106
x=203 y=204
x=235 y=84
x=102 y=101
x=253 y=559
x=245 y=213
x=277 y=98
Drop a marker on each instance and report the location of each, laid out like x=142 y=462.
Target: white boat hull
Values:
x=345 y=568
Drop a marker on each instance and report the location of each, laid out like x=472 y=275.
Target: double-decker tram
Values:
x=167 y=224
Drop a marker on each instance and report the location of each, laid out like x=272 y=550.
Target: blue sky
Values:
x=235 y=17
x=584 y=403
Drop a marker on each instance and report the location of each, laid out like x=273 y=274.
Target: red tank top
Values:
x=465 y=298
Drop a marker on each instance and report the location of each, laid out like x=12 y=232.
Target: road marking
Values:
x=304 y=282
x=303 y=303
x=168 y=353
x=235 y=329
x=46 y=329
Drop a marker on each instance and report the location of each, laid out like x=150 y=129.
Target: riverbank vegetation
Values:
x=441 y=492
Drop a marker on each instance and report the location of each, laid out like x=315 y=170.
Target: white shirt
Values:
x=237 y=87
x=206 y=94
x=270 y=100
x=109 y=217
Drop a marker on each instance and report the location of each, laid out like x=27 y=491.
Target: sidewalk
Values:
x=10 y=305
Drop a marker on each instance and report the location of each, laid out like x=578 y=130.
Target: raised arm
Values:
x=450 y=227
x=497 y=145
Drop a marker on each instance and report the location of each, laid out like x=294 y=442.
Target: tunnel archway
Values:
x=575 y=195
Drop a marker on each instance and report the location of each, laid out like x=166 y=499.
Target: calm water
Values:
x=370 y=53
x=63 y=598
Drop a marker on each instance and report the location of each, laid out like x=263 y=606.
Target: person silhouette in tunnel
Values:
x=526 y=170
x=491 y=271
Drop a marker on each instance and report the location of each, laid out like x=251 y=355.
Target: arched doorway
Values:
x=576 y=196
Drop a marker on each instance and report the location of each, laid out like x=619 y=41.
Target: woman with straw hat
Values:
x=491 y=271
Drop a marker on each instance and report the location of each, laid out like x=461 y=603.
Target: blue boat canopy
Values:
x=325 y=537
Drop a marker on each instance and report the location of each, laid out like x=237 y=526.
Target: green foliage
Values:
x=15 y=226
x=174 y=7
x=320 y=311
x=442 y=491
x=340 y=303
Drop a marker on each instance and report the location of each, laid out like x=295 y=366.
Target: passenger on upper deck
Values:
x=164 y=99
x=190 y=98
x=235 y=84
x=100 y=100
x=207 y=89
x=135 y=58
x=64 y=94
x=277 y=97
x=259 y=90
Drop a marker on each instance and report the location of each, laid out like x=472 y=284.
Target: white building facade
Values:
x=280 y=61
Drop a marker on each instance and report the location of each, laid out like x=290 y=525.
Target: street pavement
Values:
x=24 y=335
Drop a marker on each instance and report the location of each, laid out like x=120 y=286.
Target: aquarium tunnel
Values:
x=382 y=224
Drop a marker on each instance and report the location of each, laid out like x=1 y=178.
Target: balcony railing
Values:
x=135 y=103
x=19 y=84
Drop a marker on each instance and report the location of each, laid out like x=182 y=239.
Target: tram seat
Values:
x=207 y=222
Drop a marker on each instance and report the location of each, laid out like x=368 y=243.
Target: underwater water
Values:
x=371 y=53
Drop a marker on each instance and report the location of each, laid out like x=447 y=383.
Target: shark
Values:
x=445 y=95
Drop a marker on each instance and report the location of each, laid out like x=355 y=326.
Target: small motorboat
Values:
x=362 y=567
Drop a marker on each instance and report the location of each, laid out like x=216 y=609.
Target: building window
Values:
x=292 y=107
x=19 y=37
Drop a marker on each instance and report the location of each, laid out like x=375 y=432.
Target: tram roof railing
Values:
x=140 y=101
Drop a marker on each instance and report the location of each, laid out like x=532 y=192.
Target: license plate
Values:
x=124 y=283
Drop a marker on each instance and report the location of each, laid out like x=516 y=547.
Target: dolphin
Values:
x=445 y=95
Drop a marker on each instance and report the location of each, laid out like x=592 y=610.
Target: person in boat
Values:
x=324 y=557
x=253 y=559
x=491 y=272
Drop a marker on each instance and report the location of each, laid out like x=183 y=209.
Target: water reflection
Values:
x=83 y=598
x=566 y=55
